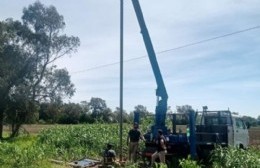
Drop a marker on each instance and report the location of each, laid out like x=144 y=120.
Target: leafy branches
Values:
x=28 y=51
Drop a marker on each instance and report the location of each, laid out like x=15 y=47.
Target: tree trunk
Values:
x=15 y=130
x=1 y=122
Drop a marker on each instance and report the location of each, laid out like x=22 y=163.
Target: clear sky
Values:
x=221 y=73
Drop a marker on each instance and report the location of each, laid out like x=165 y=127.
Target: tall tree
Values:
x=15 y=64
x=142 y=110
x=86 y=113
x=49 y=45
x=50 y=112
x=250 y=120
x=97 y=106
x=184 y=108
x=125 y=116
x=38 y=43
x=71 y=113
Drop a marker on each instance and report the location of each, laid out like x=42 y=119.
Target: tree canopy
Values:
x=28 y=75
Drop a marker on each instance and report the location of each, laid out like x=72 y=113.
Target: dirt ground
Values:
x=254 y=136
x=31 y=128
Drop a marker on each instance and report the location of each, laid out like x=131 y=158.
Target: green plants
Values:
x=21 y=152
x=160 y=165
x=79 y=141
x=189 y=163
x=231 y=157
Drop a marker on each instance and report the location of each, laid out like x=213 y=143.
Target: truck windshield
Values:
x=216 y=118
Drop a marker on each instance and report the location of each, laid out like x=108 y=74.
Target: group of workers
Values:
x=134 y=136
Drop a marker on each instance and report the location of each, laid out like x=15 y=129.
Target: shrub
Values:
x=189 y=163
x=235 y=157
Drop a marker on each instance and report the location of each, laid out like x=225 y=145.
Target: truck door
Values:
x=241 y=137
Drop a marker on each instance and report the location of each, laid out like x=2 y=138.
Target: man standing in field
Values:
x=161 y=148
x=134 y=135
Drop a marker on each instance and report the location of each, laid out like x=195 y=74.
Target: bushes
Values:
x=189 y=163
x=21 y=153
x=235 y=157
x=229 y=158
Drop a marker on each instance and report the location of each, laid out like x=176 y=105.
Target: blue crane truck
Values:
x=206 y=128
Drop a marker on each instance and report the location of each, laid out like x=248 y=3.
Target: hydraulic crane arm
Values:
x=161 y=93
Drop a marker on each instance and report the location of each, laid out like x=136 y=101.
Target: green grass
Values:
x=5 y=134
x=21 y=152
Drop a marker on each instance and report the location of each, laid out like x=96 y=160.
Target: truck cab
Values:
x=241 y=136
x=221 y=127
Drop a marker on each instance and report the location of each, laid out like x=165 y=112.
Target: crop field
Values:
x=254 y=132
x=66 y=143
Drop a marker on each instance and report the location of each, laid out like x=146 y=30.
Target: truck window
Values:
x=209 y=120
x=225 y=121
x=240 y=124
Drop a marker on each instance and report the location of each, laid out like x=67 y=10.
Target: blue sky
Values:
x=222 y=73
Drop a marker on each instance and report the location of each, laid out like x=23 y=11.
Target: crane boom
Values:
x=161 y=93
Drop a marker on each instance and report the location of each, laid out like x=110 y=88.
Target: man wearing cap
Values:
x=134 y=135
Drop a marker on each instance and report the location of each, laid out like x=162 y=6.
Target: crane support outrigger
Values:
x=161 y=93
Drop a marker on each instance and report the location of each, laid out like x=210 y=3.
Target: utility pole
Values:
x=121 y=75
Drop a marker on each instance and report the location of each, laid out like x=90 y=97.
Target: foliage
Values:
x=65 y=143
x=91 y=112
x=47 y=44
x=132 y=165
x=235 y=157
x=125 y=117
x=250 y=121
x=27 y=73
x=15 y=68
x=49 y=112
x=70 y=113
x=184 y=108
x=189 y=163
x=160 y=165
x=99 y=110
x=141 y=110
x=74 y=142
x=22 y=152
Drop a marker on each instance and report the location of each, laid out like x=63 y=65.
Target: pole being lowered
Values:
x=121 y=75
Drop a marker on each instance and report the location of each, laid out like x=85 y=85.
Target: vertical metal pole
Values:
x=192 y=137
x=121 y=76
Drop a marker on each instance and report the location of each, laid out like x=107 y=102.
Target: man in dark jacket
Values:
x=134 y=135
